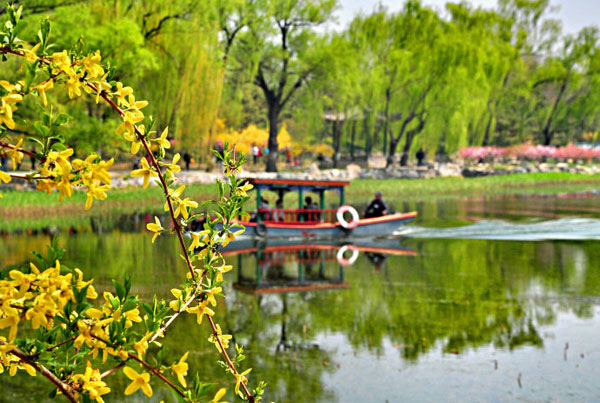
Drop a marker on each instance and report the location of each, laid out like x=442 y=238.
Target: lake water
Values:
x=486 y=300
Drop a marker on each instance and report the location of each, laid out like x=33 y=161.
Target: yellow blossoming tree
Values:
x=79 y=343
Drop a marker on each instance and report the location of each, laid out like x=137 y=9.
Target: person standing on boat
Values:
x=377 y=207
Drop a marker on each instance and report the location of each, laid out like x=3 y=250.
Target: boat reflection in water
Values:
x=278 y=266
x=272 y=269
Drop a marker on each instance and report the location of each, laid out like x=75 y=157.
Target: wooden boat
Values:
x=316 y=223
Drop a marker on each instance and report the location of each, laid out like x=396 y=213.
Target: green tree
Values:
x=560 y=81
x=285 y=59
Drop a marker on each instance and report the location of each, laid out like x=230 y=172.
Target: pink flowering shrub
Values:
x=530 y=152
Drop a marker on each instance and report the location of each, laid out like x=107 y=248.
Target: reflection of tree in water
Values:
x=277 y=324
x=457 y=294
x=278 y=330
x=475 y=293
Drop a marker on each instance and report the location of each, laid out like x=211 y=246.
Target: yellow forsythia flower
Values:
x=241 y=379
x=145 y=172
x=218 y=396
x=181 y=369
x=155 y=227
x=139 y=381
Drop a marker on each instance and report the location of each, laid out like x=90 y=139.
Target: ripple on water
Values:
x=561 y=229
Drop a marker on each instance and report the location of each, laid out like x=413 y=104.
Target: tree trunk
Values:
x=336 y=142
x=406 y=150
x=395 y=140
x=367 y=135
x=386 y=124
x=392 y=151
x=486 y=137
x=273 y=145
x=376 y=131
x=385 y=138
x=410 y=135
x=352 y=141
x=547 y=131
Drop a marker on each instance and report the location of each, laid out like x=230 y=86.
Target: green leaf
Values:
x=149 y=310
x=34 y=140
x=42 y=129
x=119 y=289
x=114 y=302
x=53 y=393
x=58 y=147
x=61 y=119
x=127 y=283
x=81 y=308
x=130 y=304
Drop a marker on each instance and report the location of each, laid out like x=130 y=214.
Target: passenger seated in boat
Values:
x=264 y=214
x=278 y=214
x=377 y=207
x=311 y=210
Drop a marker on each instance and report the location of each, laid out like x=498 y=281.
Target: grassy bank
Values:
x=27 y=209
x=488 y=186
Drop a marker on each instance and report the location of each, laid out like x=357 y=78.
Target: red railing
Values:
x=300 y=256
x=297 y=216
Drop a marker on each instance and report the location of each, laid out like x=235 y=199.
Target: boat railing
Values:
x=297 y=216
x=307 y=255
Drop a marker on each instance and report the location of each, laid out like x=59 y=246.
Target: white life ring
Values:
x=340 y=217
x=261 y=229
x=342 y=251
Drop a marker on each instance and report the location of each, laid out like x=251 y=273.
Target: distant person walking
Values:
x=255 y=153
x=420 y=156
x=377 y=207
x=187 y=158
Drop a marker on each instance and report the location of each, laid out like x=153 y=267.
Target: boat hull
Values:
x=388 y=246
x=367 y=227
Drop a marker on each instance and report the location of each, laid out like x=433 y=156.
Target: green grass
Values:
x=28 y=209
x=12 y=198
x=458 y=187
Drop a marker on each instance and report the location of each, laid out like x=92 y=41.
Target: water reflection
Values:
x=324 y=327
x=291 y=266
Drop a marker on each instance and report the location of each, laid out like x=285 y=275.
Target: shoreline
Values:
x=28 y=209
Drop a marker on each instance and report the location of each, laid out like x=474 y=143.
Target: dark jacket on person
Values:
x=375 y=208
x=313 y=213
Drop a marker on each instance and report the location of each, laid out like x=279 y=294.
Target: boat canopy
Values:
x=283 y=186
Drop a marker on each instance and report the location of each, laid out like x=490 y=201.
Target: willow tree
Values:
x=422 y=54
x=189 y=50
x=369 y=37
x=329 y=104
x=145 y=41
x=283 y=37
x=119 y=38
x=561 y=80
